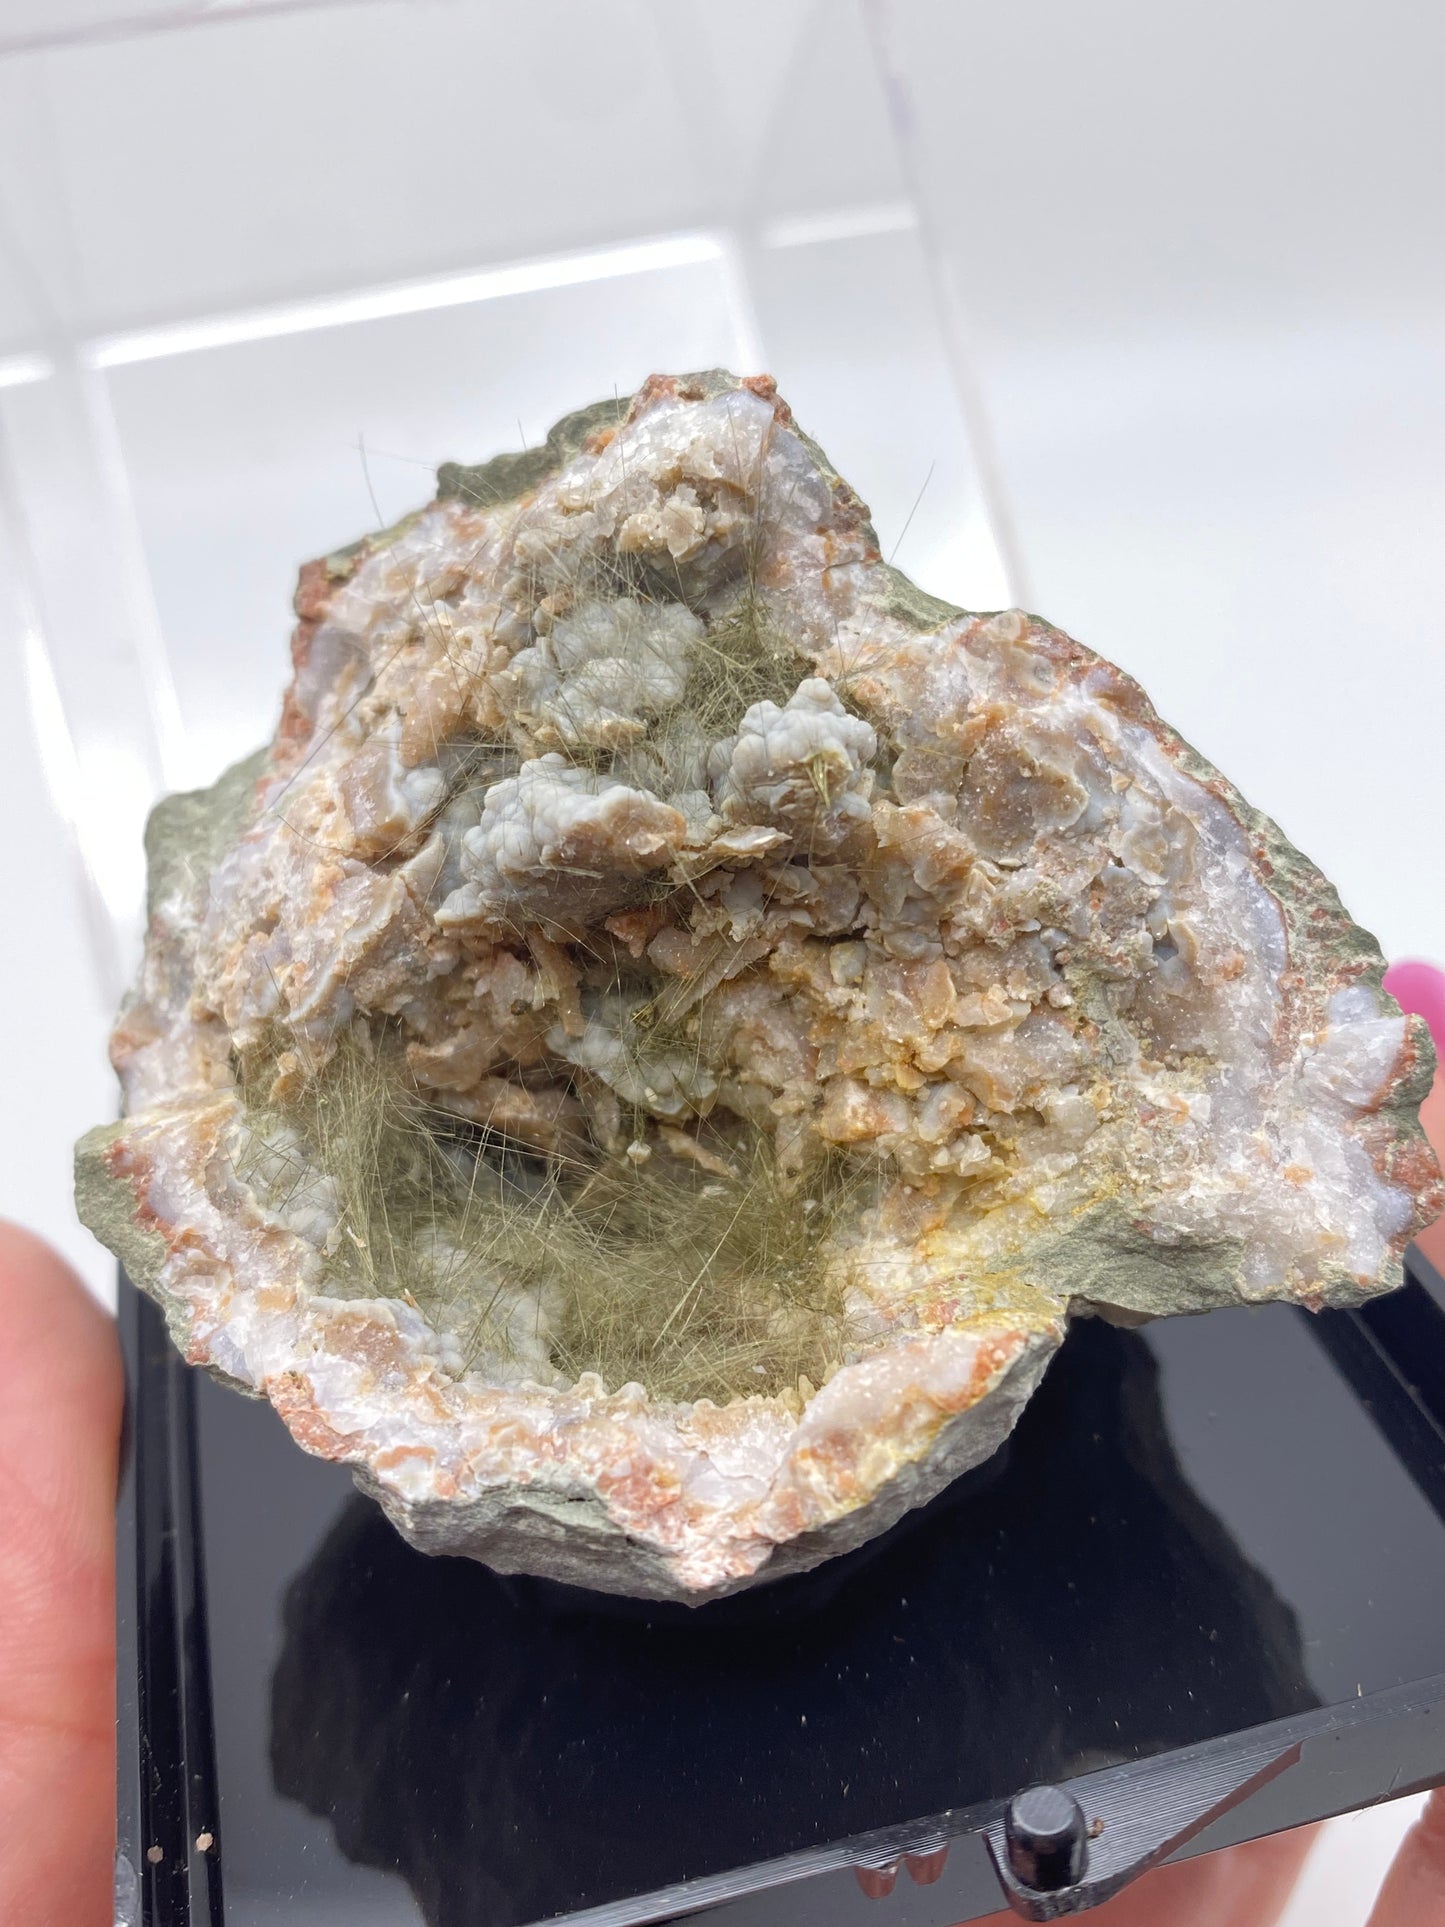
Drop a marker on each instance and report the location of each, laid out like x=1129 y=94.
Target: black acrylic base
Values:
x=1214 y=1545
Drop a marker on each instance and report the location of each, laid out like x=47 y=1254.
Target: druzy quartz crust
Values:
x=647 y=1062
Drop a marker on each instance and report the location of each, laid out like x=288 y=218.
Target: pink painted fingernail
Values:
x=1419 y=988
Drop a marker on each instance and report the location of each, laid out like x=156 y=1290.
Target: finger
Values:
x=1239 y=1887
x=60 y=1402
x=1420 y=988
x=1414 y=1891
x=1432 y=1113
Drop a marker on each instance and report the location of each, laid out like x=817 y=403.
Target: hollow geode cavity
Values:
x=783 y=986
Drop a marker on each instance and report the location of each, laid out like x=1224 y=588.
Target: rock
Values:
x=645 y=1065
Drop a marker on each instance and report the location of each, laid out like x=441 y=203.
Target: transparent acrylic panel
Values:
x=263 y=309
x=1207 y=326
x=247 y=459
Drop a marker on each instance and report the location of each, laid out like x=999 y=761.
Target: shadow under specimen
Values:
x=515 y=1749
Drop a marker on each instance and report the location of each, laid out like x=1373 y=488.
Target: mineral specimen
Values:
x=647 y=1062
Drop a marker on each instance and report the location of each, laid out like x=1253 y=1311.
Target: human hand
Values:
x=60 y=1407
x=1420 y=988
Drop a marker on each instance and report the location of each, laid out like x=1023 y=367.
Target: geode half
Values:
x=646 y=1063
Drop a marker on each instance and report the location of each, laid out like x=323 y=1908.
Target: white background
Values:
x=1135 y=314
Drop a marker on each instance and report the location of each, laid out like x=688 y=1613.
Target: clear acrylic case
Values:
x=1143 y=353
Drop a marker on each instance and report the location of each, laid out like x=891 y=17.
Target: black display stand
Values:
x=1201 y=1586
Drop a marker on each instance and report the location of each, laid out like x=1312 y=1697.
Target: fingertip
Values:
x=45 y=1307
x=1431 y=1830
x=18 y=1245
x=36 y=1267
x=1414 y=1891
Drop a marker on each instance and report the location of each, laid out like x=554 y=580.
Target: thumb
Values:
x=1414 y=1891
x=60 y=1403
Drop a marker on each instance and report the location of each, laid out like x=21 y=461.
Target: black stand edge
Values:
x=1377 y=1747
x=168 y=1837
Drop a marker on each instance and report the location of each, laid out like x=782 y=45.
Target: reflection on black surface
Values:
x=517 y=1750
